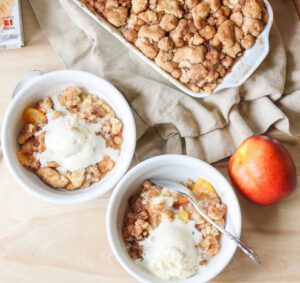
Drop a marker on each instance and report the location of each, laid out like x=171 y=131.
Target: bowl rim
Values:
x=112 y=238
x=87 y=195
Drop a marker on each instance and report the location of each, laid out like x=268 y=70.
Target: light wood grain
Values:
x=45 y=243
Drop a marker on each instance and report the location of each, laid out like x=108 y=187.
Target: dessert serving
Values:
x=195 y=41
x=70 y=139
x=166 y=236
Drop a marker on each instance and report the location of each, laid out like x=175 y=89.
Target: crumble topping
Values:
x=152 y=205
x=71 y=139
x=181 y=35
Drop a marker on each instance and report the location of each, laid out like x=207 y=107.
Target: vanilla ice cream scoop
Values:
x=73 y=144
x=66 y=137
x=169 y=251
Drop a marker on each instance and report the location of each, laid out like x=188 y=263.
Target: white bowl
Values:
x=37 y=88
x=240 y=72
x=177 y=168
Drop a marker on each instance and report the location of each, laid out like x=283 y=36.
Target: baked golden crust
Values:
x=228 y=27
x=145 y=213
x=32 y=137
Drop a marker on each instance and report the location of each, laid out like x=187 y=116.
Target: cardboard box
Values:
x=11 y=31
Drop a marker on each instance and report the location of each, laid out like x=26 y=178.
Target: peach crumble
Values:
x=70 y=139
x=195 y=41
x=164 y=233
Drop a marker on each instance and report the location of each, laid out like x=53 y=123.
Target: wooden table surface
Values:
x=297 y=4
x=41 y=242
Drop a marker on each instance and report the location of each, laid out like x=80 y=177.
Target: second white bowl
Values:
x=177 y=168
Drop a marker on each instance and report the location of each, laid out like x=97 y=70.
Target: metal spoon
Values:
x=28 y=77
x=185 y=191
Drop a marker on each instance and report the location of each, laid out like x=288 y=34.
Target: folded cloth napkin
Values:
x=169 y=121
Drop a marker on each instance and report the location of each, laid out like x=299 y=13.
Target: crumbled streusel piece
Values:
x=169 y=7
x=151 y=32
x=111 y=131
x=210 y=244
x=106 y=165
x=232 y=51
x=194 y=55
x=76 y=178
x=199 y=13
x=226 y=34
x=51 y=177
x=149 y=17
x=130 y=34
x=165 y=44
x=41 y=142
x=45 y=105
x=70 y=97
x=116 y=16
x=252 y=26
x=217 y=212
x=214 y=5
x=164 y=60
x=148 y=49
x=27 y=159
x=253 y=9
x=248 y=41
x=237 y=18
x=178 y=34
x=168 y=22
x=116 y=126
x=92 y=175
x=139 y=5
x=27 y=132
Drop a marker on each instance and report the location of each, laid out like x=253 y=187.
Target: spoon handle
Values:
x=185 y=191
x=248 y=251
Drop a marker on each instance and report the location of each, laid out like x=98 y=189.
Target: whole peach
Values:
x=263 y=170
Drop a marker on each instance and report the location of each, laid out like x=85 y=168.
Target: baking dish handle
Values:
x=25 y=80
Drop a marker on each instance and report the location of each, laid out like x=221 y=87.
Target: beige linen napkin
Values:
x=169 y=121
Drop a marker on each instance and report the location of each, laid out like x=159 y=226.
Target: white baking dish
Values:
x=240 y=72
